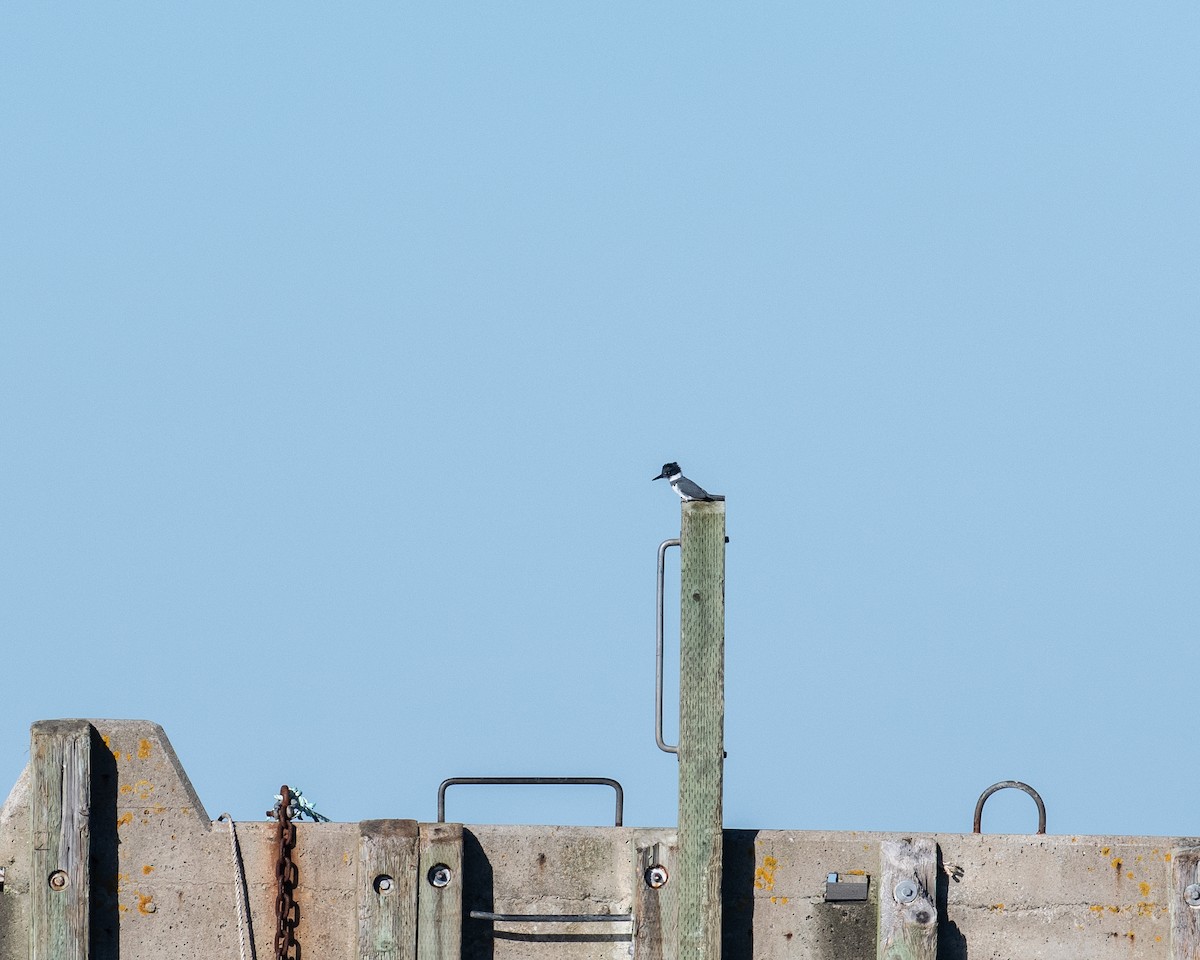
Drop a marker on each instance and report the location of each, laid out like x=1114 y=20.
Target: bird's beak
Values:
x=659 y=477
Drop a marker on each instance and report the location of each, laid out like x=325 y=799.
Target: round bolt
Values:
x=383 y=883
x=58 y=880
x=656 y=876
x=440 y=875
x=1191 y=893
x=905 y=892
x=151 y=908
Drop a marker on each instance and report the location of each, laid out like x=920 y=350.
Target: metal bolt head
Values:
x=905 y=892
x=440 y=875
x=1191 y=893
x=58 y=880
x=656 y=876
x=384 y=883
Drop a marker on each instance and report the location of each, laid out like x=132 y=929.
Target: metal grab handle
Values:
x=1016 y=785
x=525 y=781
x=658 y=650
x=552 y=917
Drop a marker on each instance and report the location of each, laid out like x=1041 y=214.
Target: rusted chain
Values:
x=287 y=911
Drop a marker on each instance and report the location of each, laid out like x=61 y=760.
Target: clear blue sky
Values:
x=340 y=344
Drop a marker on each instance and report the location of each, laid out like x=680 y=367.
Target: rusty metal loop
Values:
x=1015 y=785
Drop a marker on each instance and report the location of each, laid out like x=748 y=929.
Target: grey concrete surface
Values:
x=172 y=892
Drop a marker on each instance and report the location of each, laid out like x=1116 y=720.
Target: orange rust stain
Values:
x=764 y=876
x=144 y=901
x=143 y=749
x=1145 y=888
x=146 y=868
x=124 y=819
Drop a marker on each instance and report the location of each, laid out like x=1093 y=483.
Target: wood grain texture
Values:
x=60 y=822
x=1185 y=919
x=701 y=727
x=439 y=909
x=387 y=890
x=655 y=910
x=908 y=931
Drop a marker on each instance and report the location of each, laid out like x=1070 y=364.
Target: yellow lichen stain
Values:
x=1097 y=909
x=1116 y=864
x=1105 y=851
x=1158 y=939
x=1114 y=909
x=996 y=906
x=122 y=908
x=124 y=819
x=1145 y=909
x=856 y=873
x=1145 y=888
x=126 y=788
x=1167 y=857
x=779 y=899
x=147 y=869
x=764 y=876
x=186 y=811
x=1129 y=874
x=1139 y=859
x=143 y=788
x=108 y=743
x=143 y=749
x=144 y=901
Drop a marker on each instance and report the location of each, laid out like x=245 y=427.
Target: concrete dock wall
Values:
x=163 y=883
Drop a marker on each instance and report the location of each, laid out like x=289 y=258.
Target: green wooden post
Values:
x=387 y=890
x=60 y=758
x=701 y=727
x=440 y=891
x=907 y=912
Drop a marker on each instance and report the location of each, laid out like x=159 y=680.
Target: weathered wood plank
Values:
x=655 y=909
x=60 y=756
x=387 y=890
x=701 y=727
x=907 y=913
x=1185 y=918
x=440 y=886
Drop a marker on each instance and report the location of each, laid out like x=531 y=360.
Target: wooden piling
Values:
x=701 y=727
x=60 y=758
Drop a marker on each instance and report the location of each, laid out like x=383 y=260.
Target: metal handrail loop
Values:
x=524 y=781
x=1015 y=785
x=658 y=649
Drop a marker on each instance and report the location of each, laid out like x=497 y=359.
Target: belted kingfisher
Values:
x=683 y=486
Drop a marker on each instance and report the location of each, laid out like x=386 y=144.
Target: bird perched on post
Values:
x=683 y=486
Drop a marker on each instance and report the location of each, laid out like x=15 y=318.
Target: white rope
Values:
x=239 y=891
